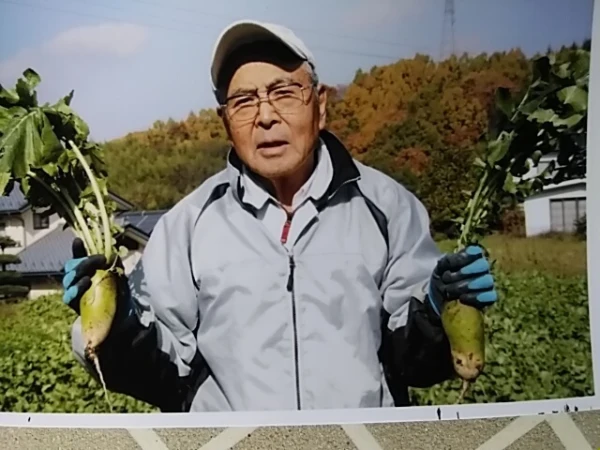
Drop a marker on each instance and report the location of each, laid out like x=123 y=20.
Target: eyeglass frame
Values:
x=260 y=99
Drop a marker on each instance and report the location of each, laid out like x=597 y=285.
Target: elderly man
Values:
x=296 y=278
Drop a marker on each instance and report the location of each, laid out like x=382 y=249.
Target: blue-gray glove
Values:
x=78 y=279
x=463 y=276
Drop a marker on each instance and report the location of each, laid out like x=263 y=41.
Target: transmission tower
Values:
x=448 y=45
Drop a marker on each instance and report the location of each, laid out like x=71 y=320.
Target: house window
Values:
x=565 y=212
x=40 y=222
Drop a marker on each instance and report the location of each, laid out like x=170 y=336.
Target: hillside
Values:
x=156 y=168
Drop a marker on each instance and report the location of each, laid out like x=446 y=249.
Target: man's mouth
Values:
x=271 y=144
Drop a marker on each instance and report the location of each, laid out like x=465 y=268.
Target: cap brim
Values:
x=241 y=33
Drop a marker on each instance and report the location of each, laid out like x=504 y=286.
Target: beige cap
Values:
x=246 y=31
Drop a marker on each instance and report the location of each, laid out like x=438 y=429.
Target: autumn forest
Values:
x=420 y=121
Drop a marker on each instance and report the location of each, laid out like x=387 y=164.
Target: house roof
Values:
x=48 y=255
x=549 y=156
x=15 y=202
x=573 y=185
x=143 y=221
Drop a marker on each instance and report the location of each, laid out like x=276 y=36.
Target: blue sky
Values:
x=136 y=61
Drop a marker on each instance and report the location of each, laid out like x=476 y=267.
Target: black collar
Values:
x=344 y=168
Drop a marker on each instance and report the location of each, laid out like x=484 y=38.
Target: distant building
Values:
x=557 y=207
x=44 y=246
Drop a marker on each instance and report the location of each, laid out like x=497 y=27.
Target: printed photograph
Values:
x=281 y=206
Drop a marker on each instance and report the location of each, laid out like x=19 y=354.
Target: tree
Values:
x=12 y=283
x=157 y=175
x=442 y=187
x=550 y=118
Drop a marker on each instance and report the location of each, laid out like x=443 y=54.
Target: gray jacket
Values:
x=228 y=318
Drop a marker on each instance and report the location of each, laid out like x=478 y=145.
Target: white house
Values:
x=44 y=245
x=557 y=207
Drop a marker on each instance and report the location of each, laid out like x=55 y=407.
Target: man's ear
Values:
x=223 y=116
x=322 y=104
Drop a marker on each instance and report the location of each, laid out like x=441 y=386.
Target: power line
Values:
x=118 y=8
x=448 y=44
x=231 y=17
x=84 y=14
x=160 y=26
x=308 y=30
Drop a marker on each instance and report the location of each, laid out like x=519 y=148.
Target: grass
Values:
x=560 y=255
x=537 y=336
x=538 y=340
x=537 y=343
x=38 y=372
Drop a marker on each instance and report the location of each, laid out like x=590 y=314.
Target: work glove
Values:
x=78 y=279
x=463 y=276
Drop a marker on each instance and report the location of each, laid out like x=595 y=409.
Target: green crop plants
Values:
x=45 y=148
x=550 y=118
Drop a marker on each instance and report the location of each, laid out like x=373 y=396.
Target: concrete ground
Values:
x=577 y=431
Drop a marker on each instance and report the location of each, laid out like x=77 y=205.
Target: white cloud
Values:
x=68 y=49
x=112 y=39
x=11 y=69
x=94 y=62
x=367 y=13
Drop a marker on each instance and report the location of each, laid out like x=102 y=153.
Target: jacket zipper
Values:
x=290 y=289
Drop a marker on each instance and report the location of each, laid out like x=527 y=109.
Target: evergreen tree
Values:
x=12 y=283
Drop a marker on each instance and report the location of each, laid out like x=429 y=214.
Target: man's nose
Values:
x=266 y=115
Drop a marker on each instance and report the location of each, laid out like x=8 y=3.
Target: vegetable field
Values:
x=538 y=342
x=38 y=372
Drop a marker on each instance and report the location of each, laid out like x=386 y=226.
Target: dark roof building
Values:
x=15 y=202
x=47 y=256
x=142 y=221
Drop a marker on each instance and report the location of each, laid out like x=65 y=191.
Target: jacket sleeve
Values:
x=153 y=355
x=413 y=341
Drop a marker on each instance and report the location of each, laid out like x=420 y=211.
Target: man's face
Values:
x=275 y=144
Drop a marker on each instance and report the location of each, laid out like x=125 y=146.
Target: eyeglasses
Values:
x=284 y=99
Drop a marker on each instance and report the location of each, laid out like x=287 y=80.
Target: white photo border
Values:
x=389 y=415
x=317 y=417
